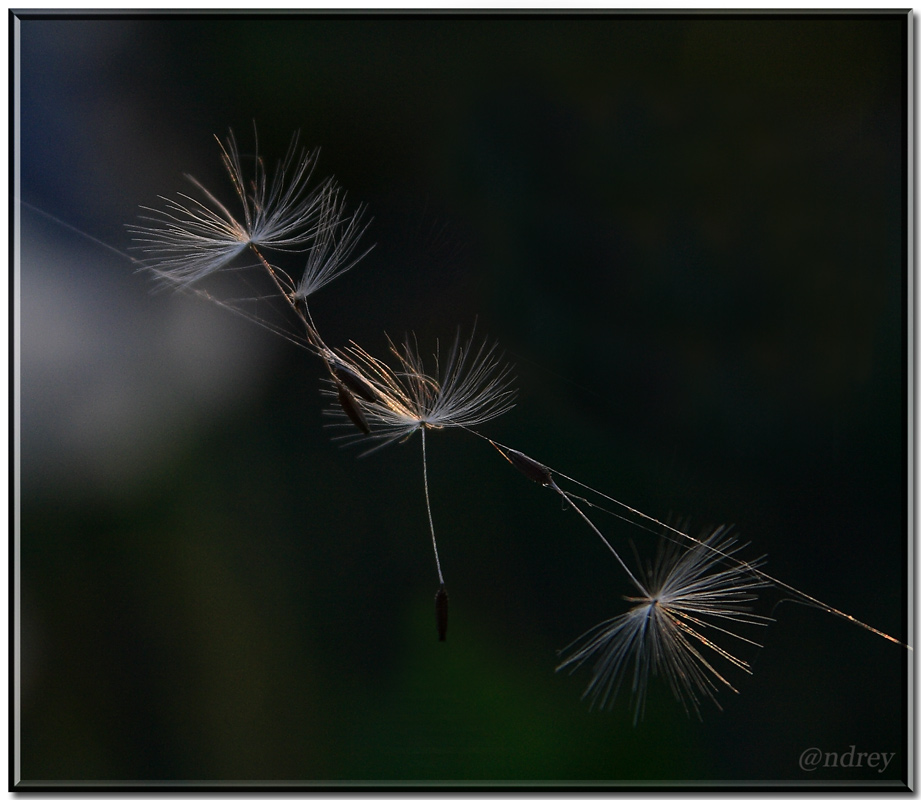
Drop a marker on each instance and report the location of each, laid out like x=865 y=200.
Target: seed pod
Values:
x=532 y=469
x=351 y=409
x=352 y=381
x=441 y=612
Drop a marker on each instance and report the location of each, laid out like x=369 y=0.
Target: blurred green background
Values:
x=687 y=234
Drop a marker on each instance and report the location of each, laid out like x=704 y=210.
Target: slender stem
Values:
x=428 y=506
x=313 y=336
x=803 y=596
x=271 y=270
x=312 y=333
x=601 y=536
x=84 y=234
x=798 y=593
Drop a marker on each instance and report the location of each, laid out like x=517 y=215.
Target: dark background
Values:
x=686 y=233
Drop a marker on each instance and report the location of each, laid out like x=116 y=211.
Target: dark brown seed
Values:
x=532 y=469
x=441 y=612
x=352 y=411
x=353 y=382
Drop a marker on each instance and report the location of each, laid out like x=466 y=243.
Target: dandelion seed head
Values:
x=470 y=387
x=333 y=249
x=192 y=237
x=689 y=596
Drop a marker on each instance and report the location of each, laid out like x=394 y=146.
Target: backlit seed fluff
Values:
x=471 y=386
x=689 y=596
x=191 y=237
x=332 y=251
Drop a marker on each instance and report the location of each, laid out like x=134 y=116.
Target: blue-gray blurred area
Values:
x=687 y=235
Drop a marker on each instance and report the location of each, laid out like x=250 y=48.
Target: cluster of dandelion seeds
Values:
x=689 y=609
